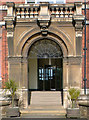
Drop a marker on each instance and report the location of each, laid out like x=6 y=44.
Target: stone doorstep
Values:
x=56 y=112
x=44 y=114
x=45 y=106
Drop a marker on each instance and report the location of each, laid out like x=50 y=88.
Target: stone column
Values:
x=65 y=73
x=24 y=81
x=65 y=81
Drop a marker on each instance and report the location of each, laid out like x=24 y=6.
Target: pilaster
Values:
x=78 y=21
x=10 y=23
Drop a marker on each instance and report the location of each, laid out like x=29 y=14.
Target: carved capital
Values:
x=75 y=60
x=24 y=60
x=65 y=60
x=15 y=59
x=78 y=21
x=10 y=23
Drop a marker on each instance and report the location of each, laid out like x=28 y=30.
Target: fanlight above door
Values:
x=45 y=49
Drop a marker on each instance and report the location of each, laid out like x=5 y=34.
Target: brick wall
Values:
x=4 y=70
x=0 y=53
x=87 y=53
x=87 y=34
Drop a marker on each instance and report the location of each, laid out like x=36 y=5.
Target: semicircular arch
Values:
x=35 y=34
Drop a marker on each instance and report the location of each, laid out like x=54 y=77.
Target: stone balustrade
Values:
x=62 y=11
x=56 y=11
x=27 y=12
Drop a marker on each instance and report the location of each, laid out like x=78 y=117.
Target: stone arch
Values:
x=30 y=43
x=35 y=34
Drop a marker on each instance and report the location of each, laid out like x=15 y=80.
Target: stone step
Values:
x=46 y=115
x=43 y=114
x=50 y=108
x=46 y=98
x=46 y=103
x=43 y=111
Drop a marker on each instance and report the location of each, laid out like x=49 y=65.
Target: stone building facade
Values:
x=44 y=43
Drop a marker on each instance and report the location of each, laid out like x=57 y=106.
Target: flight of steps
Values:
x=46 y=104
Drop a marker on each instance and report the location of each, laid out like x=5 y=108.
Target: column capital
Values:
x=13 y=59
x=10 y=24
x=78 y=21
x=75 y=60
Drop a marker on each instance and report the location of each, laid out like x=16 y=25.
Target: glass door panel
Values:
x=41 y=78
x=58 y=78
x=49 y=77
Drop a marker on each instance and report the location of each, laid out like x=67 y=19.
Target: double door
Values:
x=49 y=78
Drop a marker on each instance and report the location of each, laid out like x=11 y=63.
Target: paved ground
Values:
x=41 y=119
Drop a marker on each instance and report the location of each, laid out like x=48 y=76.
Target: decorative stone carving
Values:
x=10 y=19
x=24 y=60
x=10 y=22
x=78 y=22
x=78 y=19
x=15 y=59
x=74 y=60
x=65 y=60
x=44 y=18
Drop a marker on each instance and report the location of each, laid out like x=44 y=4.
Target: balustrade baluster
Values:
x=35 y=13
x=27 y=12
x=18 y=12
x=71 y=13
x=66 y=13
x=22 y=13
x=57 y=12
x=53 y=13
x=61 y=13
x=31 y=13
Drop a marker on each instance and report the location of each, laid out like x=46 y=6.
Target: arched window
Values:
x=45 y=49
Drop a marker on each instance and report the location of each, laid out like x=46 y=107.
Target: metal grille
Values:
x=45 y=49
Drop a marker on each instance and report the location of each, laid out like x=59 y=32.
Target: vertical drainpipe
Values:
x=85 y=49
x=1 y=57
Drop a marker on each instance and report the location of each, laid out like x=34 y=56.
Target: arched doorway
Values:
x=45 y=66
